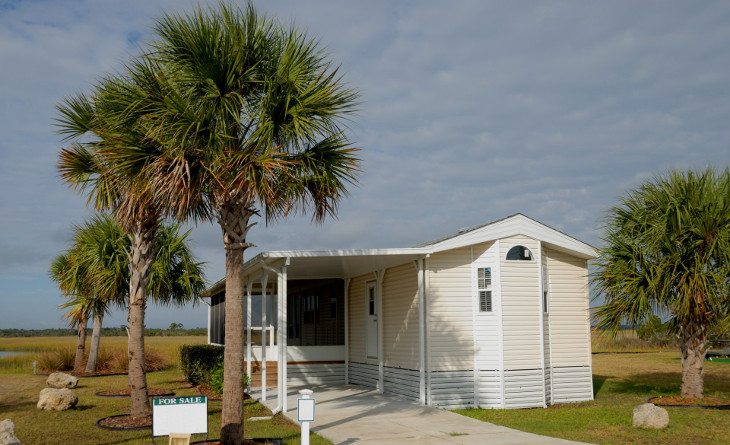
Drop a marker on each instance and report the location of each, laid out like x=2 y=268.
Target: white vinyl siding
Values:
x=400 y=317
x=356 y=310
x=570 y=335
x=450 y=306
x=521 y=307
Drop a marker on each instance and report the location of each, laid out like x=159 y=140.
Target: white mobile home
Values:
x=494 y=316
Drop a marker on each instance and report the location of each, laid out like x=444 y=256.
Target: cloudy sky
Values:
x=471 y=111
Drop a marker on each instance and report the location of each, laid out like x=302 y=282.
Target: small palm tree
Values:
x=667 y=251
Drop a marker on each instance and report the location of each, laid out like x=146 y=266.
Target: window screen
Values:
x=484 y=285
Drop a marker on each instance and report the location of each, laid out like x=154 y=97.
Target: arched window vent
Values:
x=519 y=253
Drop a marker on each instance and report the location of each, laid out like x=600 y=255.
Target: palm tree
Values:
x=116 y=185
x=252 y=120
x=667 y=251
x=101 y=246
x=72 y=279
x=227 y=117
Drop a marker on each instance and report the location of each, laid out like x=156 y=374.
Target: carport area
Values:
x=353 y=414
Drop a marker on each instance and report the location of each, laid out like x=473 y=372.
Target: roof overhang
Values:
x=320 y=264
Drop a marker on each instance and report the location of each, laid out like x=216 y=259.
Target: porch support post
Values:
x=381 y=318
x=284 y=332
x=264 y=284
x=347 y=331
x=249 y=286
x=421 y=336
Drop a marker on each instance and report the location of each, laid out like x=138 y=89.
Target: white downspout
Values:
x=381 y=318
x=347 y=331
x=542 y=326
x=421 y=335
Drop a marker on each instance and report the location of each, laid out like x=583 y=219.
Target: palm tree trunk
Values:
x=139 y=268
x=80 y=346
x=234 y=222
x=94 y=346
x=693 y=347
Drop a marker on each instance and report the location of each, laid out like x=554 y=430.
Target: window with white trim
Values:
x=484 y=288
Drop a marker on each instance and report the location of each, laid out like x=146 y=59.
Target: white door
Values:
x=371 y=321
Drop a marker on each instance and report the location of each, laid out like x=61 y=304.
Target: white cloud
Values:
x=470 y=111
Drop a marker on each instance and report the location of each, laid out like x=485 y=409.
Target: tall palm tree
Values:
x=252 y=123
x=667 y=251
x=228 y=116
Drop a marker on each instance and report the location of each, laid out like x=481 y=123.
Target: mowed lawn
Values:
x=622 y=381
x=19 y=390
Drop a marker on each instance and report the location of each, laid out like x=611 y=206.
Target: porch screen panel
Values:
x=316 y=312
x=217 y=318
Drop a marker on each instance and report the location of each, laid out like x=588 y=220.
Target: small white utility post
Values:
x=305 y=413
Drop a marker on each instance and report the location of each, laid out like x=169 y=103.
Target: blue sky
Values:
x=471 y=111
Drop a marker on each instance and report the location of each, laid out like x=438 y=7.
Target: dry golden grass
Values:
x=624 y=341
x=165 y=347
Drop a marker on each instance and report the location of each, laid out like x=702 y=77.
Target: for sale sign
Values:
x=179 y=415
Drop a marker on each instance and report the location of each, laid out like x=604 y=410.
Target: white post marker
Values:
x=305 y=413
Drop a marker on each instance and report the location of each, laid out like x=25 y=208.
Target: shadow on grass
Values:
x=598 y=381
x=84 y=407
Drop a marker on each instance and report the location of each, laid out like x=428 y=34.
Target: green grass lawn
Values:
x=19 y=390
x=622 y=381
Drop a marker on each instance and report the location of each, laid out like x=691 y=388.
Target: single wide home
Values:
x=495 y=316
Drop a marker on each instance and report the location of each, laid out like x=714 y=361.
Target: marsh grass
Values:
x=624 y=341
x=165 y=348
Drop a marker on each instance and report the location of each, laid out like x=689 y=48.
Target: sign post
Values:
x=305 y=413
x=187 y=414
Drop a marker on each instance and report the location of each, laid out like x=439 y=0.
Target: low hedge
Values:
x=197 y=361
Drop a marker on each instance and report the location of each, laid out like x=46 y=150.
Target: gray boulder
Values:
x=62 y=380
x=57 y=399
x=649 y=415
x=7 y=433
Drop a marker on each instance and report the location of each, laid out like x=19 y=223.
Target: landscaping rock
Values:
x=62 y=380
x=649 y=415
x=7 y=433
x=57 y=399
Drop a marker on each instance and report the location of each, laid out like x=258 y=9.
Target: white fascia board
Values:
x=345 y=252
x=518 y=225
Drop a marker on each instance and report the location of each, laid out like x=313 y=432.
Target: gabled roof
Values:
x=517 y=224
x=353 y=262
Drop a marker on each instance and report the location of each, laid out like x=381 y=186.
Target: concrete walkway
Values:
x=352 y=414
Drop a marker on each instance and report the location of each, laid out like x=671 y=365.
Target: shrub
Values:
x=108 y=360
x=57 y=360
x=215 y=379
x=656 y=332
x=197 y=361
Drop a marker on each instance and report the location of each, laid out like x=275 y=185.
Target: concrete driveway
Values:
x=352 y=414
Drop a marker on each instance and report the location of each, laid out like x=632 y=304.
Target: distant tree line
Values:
x=110 y=332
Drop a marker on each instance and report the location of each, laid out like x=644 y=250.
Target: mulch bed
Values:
x=125 y=422
x=276 y=441
x=125 y=392
x=85 y=374
x=681 y=402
